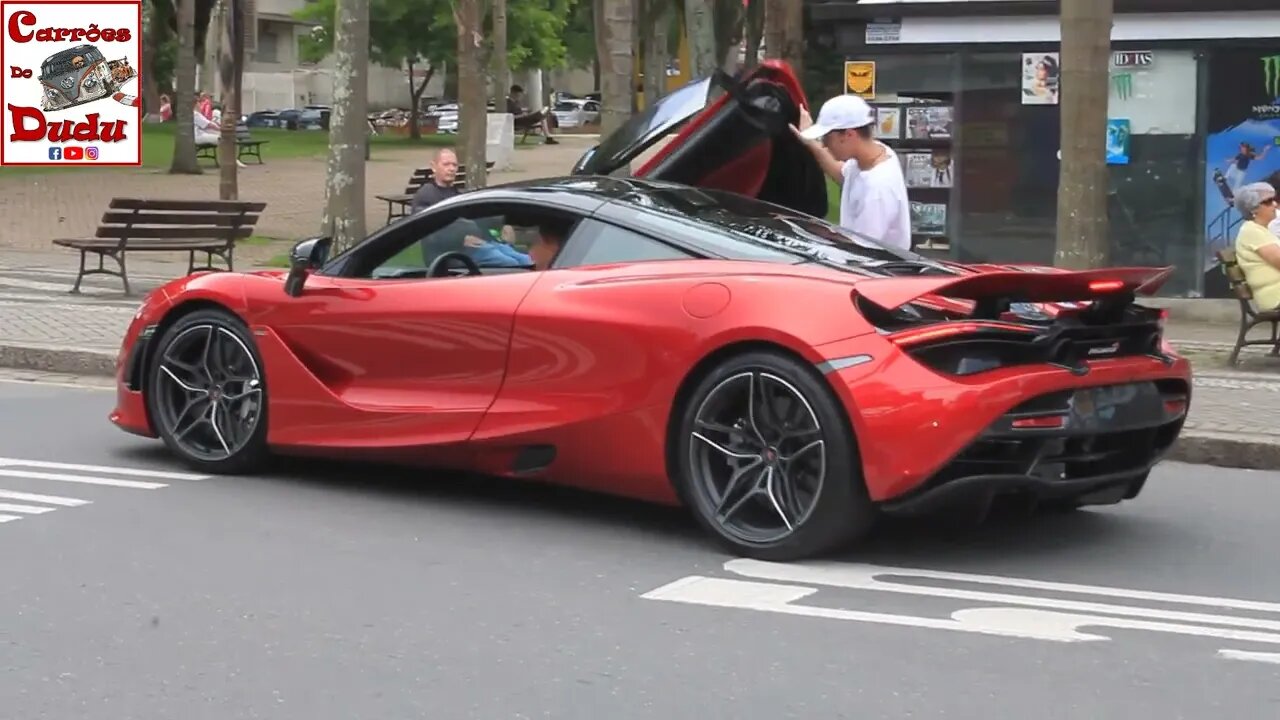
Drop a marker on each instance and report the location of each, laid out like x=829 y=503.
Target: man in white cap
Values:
x=873 y=191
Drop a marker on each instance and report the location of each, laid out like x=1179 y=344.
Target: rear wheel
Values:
x=206 y=394
x=767 y=462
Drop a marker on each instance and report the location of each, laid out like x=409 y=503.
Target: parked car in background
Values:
x=576 y=112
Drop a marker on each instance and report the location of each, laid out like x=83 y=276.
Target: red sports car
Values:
x=706 y=342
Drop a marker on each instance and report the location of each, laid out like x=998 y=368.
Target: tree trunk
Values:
x=700 y=27
x=184 y=139
x=415 y=98
x=348 y=126
x=473 y=115
x=228 y=71
x=215 y=39
x=614 y=23
x=1082 y=240
x=728 y=19
x=754 y=31
x=657 y=50
x=152 y=40
x=784 y=33
x=498 y=60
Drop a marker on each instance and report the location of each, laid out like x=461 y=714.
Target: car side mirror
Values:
x=306 y=256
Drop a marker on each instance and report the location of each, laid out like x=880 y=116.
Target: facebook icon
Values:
x=55 y=153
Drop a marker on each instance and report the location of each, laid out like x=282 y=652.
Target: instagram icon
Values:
x=91 y=152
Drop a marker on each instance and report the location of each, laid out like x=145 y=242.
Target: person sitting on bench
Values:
x=525 y=120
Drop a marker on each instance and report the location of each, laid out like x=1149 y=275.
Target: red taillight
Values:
x=1175 y=406
x=1105 y=285
x=931 y=333
x=1044 y=422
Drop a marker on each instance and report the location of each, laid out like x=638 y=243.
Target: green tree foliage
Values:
x=424 y=31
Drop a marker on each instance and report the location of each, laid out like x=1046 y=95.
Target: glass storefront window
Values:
x=1002 y=203
x=1153 y=195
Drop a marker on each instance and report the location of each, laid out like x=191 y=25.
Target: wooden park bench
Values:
x=246 y=146
x=137 y=225
x=398 y=205
x=1250 y=316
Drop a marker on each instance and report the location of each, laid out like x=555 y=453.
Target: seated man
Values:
x=525 y=119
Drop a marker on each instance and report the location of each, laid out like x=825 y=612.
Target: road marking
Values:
x=864 y=577
x=107 y=469
x=28 y=509
x=1262 y=657
x=86 y=479
x=1034 y=617
x=9 y=518
x=772 y=597
x=46 y=499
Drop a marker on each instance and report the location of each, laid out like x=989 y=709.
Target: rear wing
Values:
x=1017 y=287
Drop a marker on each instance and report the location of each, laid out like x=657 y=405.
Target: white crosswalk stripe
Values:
x=46 y=499
x=17 y=505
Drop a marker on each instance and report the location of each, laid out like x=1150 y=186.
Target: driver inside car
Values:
x=491 y=252
x=546 y=246
x=466 y=235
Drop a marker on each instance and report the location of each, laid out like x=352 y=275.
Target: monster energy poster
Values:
x=1242 y=146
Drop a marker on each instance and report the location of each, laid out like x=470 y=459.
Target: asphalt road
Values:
x=351 y=592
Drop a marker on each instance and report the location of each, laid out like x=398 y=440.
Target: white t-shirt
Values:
x=874 y=202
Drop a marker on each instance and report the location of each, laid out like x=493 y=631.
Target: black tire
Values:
x=170 y=385
x=829 y=513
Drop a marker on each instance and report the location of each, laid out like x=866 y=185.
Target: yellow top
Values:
x=1262 y=276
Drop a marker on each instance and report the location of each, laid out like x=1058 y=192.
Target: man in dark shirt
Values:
x=525 y=119
x=444 y=170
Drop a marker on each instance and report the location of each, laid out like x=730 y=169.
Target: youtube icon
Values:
x=73 y=153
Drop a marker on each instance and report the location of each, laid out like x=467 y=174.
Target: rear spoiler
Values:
x=1027 y=287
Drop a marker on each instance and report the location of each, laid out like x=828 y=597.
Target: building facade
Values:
x=277 y=78
x=968 y=92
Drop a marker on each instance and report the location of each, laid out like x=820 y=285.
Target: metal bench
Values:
x=1250 y=316
x=138 y=225
x=246 y=146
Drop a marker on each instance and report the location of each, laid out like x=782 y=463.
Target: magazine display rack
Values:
x=920 y=132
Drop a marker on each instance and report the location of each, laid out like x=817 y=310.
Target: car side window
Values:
x=601 y=243
x=481 y=233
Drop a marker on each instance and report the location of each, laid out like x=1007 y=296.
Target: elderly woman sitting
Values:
x=1257 y=248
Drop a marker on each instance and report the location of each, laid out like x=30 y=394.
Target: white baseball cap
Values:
x=842 y=112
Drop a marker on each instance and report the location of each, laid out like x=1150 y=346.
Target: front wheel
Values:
x=767 y=462
x=206 y=393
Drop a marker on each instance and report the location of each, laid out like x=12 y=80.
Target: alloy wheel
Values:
x=208 y=392
x=758 y=454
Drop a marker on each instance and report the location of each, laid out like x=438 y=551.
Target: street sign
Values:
x=860 y=78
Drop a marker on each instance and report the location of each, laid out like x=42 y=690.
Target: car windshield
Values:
x=751 y=229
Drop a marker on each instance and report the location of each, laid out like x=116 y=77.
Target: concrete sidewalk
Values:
x=1234 y=421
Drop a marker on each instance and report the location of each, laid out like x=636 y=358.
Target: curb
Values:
x=1237 y=451
x=68 y=361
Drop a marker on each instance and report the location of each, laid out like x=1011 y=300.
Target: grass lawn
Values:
x=833 y=201
x=157 y=147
